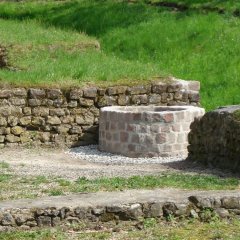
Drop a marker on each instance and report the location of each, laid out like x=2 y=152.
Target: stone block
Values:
x=36 y=93
x=27 y=111
x=17 y=101
x=90 y=92
x=54 y=93
x=57 y=112
x=38 y=121
x=139 y=99
x=19 y=92
x=159 y=87
x=116 y=90
x=5 y=93
x=34 y=102
x=13 y=121
x=123 y=100
x=12 y=138
x=174 y=87
x=17 y=130
x=75 y=94
x=53 y=120
x=40 y=111
x=3 y=122
x=140 y=89
x=24 y=121
x=73 y=104
x=44 y=221
x=154 y=99
x=4 y=130
x=86 y=102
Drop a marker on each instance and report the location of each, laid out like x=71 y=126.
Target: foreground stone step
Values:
x=117 y=206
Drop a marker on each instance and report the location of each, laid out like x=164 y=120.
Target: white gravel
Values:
x=92 y=154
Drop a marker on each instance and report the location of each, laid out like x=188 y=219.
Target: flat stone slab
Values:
x=85 y=200
x=112 y=207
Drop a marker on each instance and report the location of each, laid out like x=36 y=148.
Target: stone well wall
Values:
x=215 y=138
x=70 y=117
x=146 y=131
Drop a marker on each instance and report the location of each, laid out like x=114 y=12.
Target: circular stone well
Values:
x=146 y=131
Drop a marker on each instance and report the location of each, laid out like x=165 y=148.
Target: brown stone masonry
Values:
x=57 y=117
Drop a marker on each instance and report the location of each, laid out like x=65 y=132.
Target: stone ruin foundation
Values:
x=146 y=131
x=215 y=138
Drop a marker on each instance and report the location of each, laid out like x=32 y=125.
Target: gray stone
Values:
x=18 y=101
x=116 y=90
x=53 y=120
x=231 y=202
x=4 y=131
x=73 y=104
x=139 y=99
x=12 y=121
x=154 y=99
x=123 y=100
x=7 y=220
x=34 y=102
x=156 y=210
x=98 y=211
x=54 y=93
x=222 y=213
x=141 y=89
x=40 y=111
x=3 y=122
x=12 y=138
x=44 y=221
x=193 y=214
x=27 y=111
x=5 y=93
x=37 y=93
x=201 y=202
x=57 y=112
x=2 y=138
x=75 y=94
x=38 y=121
x=19 y=92
x=159 y=87
x=17 y=130
x=86 y=102
x=24 y=121
x=90 y=92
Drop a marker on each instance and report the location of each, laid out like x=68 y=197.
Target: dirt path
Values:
x=56 y=162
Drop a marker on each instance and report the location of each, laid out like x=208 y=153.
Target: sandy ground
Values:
x=56 y=162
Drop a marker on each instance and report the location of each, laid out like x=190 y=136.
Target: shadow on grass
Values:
x=93 y=17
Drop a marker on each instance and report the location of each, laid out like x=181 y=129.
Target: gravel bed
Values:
x=92 y=154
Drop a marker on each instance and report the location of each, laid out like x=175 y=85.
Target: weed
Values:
x=4 y=165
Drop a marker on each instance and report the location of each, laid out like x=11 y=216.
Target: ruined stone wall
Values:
x=193 y=207
x=70 y=117
x=215 y=138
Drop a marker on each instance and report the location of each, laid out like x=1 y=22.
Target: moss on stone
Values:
x=236 y=115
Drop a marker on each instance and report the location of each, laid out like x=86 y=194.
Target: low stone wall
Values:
x=70 y=117
x=72 y=209
x=215 y=138
x=147 y=131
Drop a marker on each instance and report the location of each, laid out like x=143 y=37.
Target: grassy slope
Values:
x=139 y=41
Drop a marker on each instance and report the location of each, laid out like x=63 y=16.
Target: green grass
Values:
x=15 y=187
x=186 y=230
x=138 y=41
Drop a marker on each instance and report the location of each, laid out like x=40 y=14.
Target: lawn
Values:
x=138 y=41
x=152 y=229
x=13 y=186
